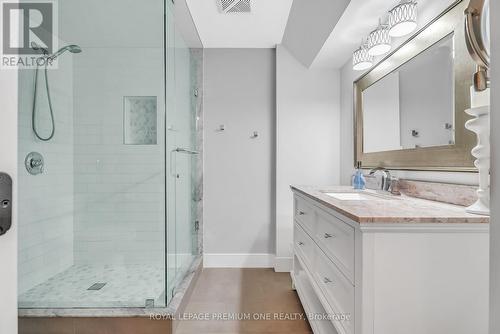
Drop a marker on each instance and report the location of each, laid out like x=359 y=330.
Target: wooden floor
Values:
x=245 y=293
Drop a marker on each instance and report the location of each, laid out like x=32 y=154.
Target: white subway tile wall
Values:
x=47 y=201
x=119 y=189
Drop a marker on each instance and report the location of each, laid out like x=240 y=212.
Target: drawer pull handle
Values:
x=327 y=280
x=301 y=243
x=301 y=213
x=328 y=235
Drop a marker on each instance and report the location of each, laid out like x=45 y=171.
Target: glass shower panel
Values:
x=112 y=220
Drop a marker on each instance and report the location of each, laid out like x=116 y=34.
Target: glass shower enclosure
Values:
x=110 y=158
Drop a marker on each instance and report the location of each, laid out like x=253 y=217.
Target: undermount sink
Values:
x=357 y=196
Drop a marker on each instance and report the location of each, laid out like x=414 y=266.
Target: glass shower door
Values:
x=183 y=181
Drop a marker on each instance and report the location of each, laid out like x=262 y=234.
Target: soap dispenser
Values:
x=358 y=180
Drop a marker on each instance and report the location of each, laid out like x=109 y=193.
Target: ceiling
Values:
x=265 y=26
x=262 y=28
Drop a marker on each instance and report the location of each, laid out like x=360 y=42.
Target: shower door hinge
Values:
x=149 y=303
x=197 y=226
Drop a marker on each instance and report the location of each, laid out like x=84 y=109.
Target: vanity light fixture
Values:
x=379 y=41
x=361 y=59
x=403 y=18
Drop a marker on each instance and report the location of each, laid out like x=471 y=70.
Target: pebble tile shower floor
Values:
x=126 y=286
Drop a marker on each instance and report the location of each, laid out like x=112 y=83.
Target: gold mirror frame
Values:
x=476 y=43
x=455 y=157
x=474 y=34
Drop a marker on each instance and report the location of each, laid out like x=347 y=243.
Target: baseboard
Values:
x=238 y=260
x=283 y=264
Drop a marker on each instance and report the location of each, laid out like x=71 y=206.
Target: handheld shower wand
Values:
x=49 y=58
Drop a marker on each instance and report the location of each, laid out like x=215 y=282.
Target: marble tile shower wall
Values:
x=197 y=102
x=46 y=219
x=119 y=189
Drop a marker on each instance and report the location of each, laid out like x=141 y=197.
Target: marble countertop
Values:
x=401 y=209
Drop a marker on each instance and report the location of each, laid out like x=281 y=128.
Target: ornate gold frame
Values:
x=455 y=157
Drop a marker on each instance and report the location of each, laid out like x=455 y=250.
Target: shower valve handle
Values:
x=36 y=163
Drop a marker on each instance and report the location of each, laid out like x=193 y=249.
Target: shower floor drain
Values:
x=96 y=286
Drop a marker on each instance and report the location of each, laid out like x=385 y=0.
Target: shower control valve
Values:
x=34 y=163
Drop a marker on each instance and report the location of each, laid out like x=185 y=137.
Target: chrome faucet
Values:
x=387 y=182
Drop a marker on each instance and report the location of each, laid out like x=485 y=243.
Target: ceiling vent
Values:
x=234 y=6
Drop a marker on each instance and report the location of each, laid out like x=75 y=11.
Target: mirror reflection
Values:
x=414 y=105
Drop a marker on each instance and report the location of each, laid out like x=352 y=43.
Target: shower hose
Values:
x=33 y=115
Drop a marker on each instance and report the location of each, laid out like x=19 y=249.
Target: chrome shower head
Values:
x=73 y=48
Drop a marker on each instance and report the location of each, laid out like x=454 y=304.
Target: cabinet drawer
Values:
x=304 y=213
x=336 y=238
x=303 y=244
x=310 y=301
x=338 y=291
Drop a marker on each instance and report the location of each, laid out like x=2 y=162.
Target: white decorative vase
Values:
x=480 y=125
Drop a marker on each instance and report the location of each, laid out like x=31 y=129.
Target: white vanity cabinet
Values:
x=389 y=278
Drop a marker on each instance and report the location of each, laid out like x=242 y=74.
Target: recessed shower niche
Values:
x=140 y=120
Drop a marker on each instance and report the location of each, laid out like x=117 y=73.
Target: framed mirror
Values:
x=409 y=108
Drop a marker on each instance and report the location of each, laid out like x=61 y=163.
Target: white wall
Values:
x=307 y=139
x=119 y=189
x=239 y=182
x=46 y=220
x=347 y=77
x=8 y=164
x=382 y=131
x=428 y=107
x=111 y=23
x=119 y=200
x=495 y=171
